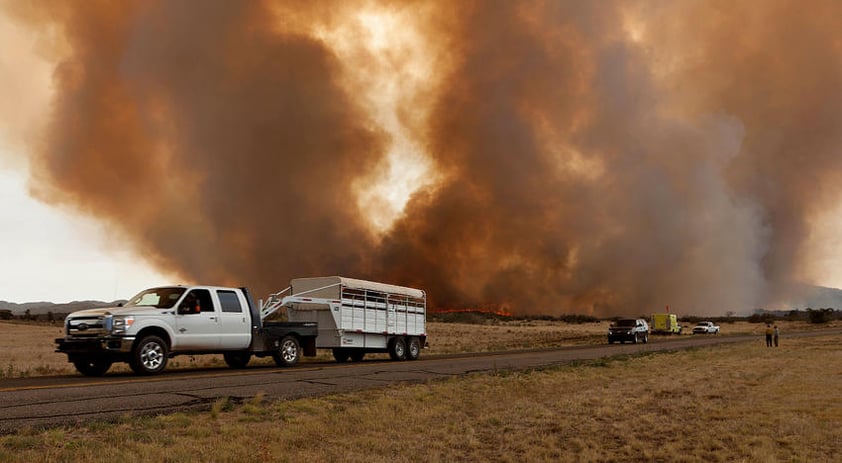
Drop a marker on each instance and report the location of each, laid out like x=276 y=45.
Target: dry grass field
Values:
x=728 y=403
x=28 y=350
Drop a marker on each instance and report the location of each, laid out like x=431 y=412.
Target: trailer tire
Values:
x=357 y=355
x=397 y=348
x=341 y=355
x=289 y=351
x=92 y=366
x=150 y=356
x=237 y=360
x=413 y=349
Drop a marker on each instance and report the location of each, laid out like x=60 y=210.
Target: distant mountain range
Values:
x=805 y=296
x=42 y=308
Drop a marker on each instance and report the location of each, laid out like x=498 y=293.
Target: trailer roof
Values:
x=353 y=283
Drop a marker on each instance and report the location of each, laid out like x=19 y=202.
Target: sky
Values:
x=556 y=156
x=49 y=253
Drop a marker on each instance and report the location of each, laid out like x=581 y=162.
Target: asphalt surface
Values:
x=66 y=400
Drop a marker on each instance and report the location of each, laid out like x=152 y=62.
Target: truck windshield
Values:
x=162 y=298
x=626 y=322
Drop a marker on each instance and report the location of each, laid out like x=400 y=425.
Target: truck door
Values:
x=197 y=322
x=234 y=321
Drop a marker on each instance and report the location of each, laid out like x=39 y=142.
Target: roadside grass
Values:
x=736 y=402
x=28 y=349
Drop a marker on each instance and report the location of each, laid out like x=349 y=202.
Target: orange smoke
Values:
x=581 y=156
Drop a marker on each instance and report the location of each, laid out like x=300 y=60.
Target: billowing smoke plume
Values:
x=596 y=157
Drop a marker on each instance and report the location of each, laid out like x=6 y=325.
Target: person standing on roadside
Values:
x=769 y=333
x=776 y=334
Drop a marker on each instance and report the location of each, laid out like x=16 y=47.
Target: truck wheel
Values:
x=236 y=360
x=634 y=340
x=357 y=355
x=92 y=366
x=288 y=352
x=149 y=356
x=397 y=348
x=341 y=355
x=610 y=341
x=413 y=349
x=645 y=339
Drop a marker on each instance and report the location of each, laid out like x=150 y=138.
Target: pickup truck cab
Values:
x=629 y=329
x=159 y=323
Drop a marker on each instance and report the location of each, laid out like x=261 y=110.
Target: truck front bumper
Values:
x=107 y=344
x=621 y=337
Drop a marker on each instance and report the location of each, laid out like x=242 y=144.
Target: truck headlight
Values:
x=120 y=325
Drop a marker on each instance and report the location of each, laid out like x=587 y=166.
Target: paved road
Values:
x=62 y=400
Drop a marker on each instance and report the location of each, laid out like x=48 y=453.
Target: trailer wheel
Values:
x=288 y=352
x=357 y=355
x=397 y=348
x=237 y=360
x=149 y=356
x=92 y=366
x=341 y=355
x=413 y=349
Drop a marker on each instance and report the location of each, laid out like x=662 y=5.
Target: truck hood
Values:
x=138 y=311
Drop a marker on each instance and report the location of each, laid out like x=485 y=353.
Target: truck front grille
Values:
x=86 y=327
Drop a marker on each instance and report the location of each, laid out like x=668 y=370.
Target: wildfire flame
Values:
x=500 y=312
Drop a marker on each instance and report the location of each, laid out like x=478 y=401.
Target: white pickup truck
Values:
x=706 y=328
x=351 y=317
x=159 y=323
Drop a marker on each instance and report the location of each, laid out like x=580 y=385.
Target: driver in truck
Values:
x=191 y=304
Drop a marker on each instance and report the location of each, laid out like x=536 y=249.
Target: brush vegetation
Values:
x=727 y=403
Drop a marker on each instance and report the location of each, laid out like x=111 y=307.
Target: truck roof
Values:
x=300 y=285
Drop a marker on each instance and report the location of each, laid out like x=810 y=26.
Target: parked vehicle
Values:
x=665 y=323
x=628 y=329
x=706 y=328
x=160 y=323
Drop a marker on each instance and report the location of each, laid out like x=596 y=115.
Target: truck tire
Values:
x=397 y=348
x=92 y=366
x=341 y=355
x=413 y=349
x=645 y=339
x=357 y=355
x=634 y=340
x=150 y=356
x=237 y=360
x=288 y=352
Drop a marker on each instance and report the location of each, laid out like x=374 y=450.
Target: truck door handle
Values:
x=212 y=318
